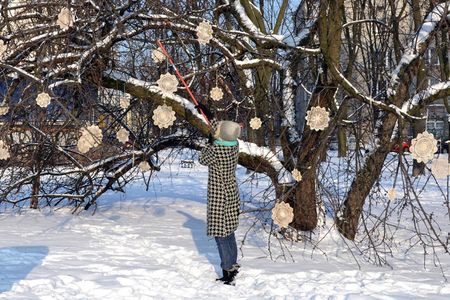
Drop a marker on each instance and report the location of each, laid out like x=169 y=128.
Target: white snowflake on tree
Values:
x=124 y=102
x=204 y=32
x=163 y=116
x=4 y=150
x=317 y=118
x=65 y=18
x=122 y=135
x=144 y=166
x=168 y=84
x=423 y=147
x=440 y=168
x=297 y=175
x=255 y=123
x=216 y=93
x=4 y=110
x=392 y=193
x=282 y=214
x=91 y=136
x=158 y=55
x=43 y=100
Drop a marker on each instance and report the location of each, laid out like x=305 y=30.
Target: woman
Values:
x=223 y=197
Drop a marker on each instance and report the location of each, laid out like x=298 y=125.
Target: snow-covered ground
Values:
x=152 y=245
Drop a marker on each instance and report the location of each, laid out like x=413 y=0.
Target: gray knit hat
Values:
x=228 y=130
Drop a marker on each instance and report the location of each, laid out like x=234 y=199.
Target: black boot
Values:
x=228 y=276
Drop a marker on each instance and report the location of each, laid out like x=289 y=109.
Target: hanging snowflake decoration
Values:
x=317 y=118
x=122 y=135
x=158 y=55
x=124 y=102
x=91 y=136
x=440 y=168
x=163 y=116
x=216 y=93
x=255 y=123
x=144 y=166
x=282 y=214
x=43 y=100
x=4 y=110
x=423 y=147
x=65 y=18
x=297 y=175
x=4 y=150
x=168 y=84
x=2 y=48
x=204 y=32
x=391 y=194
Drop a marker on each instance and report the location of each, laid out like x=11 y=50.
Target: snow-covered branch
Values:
x=419 y=45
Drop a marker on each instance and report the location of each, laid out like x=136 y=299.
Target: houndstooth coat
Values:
x=223 y=195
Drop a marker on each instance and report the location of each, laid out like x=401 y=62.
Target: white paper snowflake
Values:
x=158 y=55
x=392 y=193
x=4 y=150
x=144 y=166
x=2 y=48
x=423 y=147
x=216 y=93
x=65 y=18
x=317 y=118
x=91 y=136
x=255 y=123
x=204 y=32
x=163 y=116
x=297 y=175
x=282 y=214
x=4 y=110
x=440 y=168
x=168 y=84
x=122 y=135
x=124 y=102
x=43 y=100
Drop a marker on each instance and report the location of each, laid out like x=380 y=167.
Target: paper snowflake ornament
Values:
x=144 y=166
x=122 y=135
x=65 y=18
x=43 y=100
x=4 y=110
x=91 y=136
x=158 y=55
x=2 y=48
x=163 y=116
x=317 y=118
x=124 y=102
x=440 y=168
x=4 y=150
x=168 y=83
x=391 y=194
x=255 y=123
x=282 y=214
x=216 y=93
x=423 y=147
x=204 y=32
x=297 y=175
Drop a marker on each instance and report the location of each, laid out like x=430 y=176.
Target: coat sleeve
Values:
x=207 y=156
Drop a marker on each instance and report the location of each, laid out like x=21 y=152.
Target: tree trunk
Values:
x=35 y=192
x=363 y=182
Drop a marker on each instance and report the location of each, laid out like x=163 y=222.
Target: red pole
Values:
x=181 y=78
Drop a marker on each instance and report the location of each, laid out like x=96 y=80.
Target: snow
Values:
x=152 y=245
x=284 y=176
x=288 y=107
x=423 y=35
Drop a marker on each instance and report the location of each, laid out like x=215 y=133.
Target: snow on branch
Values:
x=254 y=32
x=354 y=92
x=419 y=44
x=251 y=149
x=434 y=92
x=288 y=119
x=253 y=63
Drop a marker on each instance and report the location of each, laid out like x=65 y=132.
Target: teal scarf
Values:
x=225 y=143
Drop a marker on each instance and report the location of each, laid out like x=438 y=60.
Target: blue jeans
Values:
x=227 y=251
